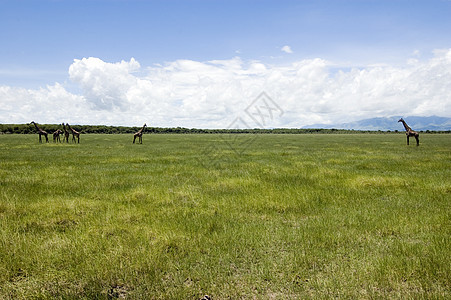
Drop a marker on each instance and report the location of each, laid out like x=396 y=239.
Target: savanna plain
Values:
x=229 y=216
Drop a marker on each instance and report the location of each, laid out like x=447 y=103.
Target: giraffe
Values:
x=66 y=134
x=40 y=132
x=139 y=134
x=410 y=132
x=74 y=133
x=56 y=136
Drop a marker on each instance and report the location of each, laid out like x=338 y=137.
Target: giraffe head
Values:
x=401 y=120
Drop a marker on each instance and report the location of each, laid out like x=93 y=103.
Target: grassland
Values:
x=243 y=216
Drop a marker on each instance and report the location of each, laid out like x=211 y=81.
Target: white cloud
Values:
x=104 y=84
x=287 y=49
x=213 y=94
x=52 y=104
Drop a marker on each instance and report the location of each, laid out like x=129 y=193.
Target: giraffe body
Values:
x=139 y=135
x=66 y=134
x=56 y=136
x=40 y=132
x=410 y=132
x=74 y=134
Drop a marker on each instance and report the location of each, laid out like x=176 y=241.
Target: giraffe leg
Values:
x=407 y=140
x=418 y=141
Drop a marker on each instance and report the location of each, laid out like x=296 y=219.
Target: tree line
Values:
x=102 y=129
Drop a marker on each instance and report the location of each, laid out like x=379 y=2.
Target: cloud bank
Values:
x=212 y=94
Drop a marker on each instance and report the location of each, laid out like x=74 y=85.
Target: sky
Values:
x=207 y=63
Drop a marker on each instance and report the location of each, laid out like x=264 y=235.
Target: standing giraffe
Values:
x=139 y=135
x=66 y=134
x=40 y=132
x=74 y=133
x=56 y=136
x=410 y=132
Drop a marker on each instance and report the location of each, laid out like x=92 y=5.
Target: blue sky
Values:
x=41 y=39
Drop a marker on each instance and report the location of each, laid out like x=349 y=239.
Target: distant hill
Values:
x=391 y=123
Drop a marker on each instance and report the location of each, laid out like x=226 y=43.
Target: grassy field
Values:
x=243 y=216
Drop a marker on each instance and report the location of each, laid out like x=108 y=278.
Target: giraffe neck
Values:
x=406 y=126
x=37 y=128
x=72 y=130
x=141 y=130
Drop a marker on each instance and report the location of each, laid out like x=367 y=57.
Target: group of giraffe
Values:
x=57 y=133
x=139 y=134
x=76 y=134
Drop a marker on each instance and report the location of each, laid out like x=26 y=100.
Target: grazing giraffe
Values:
x=66 y=134
x=139 y=135
x=410 y=132
x=56 y=136
x=40 y=132
x=74 y=133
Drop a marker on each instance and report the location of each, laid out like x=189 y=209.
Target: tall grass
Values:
x=266 y=216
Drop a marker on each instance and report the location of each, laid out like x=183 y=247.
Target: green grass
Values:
x=181 y=216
